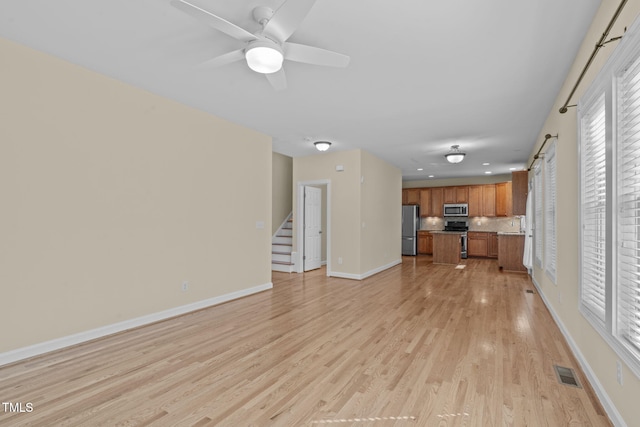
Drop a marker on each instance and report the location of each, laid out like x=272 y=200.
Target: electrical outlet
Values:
x=339 y=260
x=619 y=372
x=185 y=286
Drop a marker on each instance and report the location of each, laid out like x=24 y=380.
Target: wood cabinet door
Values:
x=413 y=196
x=462 y=194
x=437 y=197
x=422 y=243
x=425 y=202
x=477 y=244
x=519 y=190
x=429 y=240
x=503 y=199
x=449 y=194
x=489 y=200
x=475 y=200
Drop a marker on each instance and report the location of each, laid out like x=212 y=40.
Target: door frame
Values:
x=299 y=219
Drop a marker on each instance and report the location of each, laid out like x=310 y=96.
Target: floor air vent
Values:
x=566 y=376
x=530 y=291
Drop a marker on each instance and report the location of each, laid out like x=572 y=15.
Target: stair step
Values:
x=281 y=262
x=281 y=252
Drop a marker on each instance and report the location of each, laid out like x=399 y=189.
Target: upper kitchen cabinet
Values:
x=425 y=202
x=411 y=196
x=519 y=191
x=437 y=201
x=503 y=199
x=482 y=200
x=457 y=194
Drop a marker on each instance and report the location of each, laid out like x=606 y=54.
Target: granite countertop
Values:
x=510 y=233
x=445 y=232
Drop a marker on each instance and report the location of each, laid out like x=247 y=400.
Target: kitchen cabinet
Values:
x=519 y=191
x=425 y=243
x=510 y=250
x=411 y=196
x=446 y=247
x=477 y=244
x=503 y=199
x=482 y=200
x=437 y=197
x=493 y=245
x=457 y=194
x=425 y=202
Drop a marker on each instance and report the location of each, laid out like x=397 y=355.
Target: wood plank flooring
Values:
x=416 y=345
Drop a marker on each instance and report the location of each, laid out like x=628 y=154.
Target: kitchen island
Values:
x=446 y=247
x=510 y=250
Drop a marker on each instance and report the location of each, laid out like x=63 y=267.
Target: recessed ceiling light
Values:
x=486 y=164
x=487 y=172
x=512 y=169
x=430 y=176
x=420 y=169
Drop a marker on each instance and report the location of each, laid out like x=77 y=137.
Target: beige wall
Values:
x=281 y=182
x=112 y=197
x=381 y=222
x=345 y=202
x=361 y=249
x=563 y=297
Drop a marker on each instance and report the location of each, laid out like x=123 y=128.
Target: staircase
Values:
x=281 y=246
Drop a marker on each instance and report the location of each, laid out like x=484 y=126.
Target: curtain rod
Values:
x=600 y=44
x=537 y=156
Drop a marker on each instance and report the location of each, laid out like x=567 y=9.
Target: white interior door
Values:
x=312 y=228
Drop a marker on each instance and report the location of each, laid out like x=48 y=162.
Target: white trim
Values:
x=299 y=224
x=604 y=398
x=70 y=340
x=368 y=273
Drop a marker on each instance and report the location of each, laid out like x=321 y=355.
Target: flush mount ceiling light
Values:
x=264 y=57
x=322 y=145
x=455 y=155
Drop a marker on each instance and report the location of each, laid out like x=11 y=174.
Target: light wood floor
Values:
x=416 y=345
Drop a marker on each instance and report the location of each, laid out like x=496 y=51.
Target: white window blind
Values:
x=628 y=206
x=593 y=169
x=537 y=221
x=550 y=240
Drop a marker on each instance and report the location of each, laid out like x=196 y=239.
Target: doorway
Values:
x=313 y=225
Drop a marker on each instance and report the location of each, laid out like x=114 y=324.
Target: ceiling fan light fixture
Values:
x=455 y=155
x=264 y=58
x=322 y=145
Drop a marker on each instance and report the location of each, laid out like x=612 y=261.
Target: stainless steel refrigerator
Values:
x=410 y=226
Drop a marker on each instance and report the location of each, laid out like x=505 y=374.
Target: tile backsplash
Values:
x=508 y=224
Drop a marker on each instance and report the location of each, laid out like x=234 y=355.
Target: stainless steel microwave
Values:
x=456 y=209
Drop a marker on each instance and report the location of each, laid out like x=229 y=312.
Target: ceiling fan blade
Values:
x=278 y=79
x=227 y=58
x=314 y=55
x=287 y=18
x=214 y=21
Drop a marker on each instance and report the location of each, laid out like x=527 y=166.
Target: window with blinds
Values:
x=593 y=193
x=609 y=142
x=537 y=219
x=628 y=206
x=550 y=240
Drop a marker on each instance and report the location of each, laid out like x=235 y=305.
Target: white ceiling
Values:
x=424 y=75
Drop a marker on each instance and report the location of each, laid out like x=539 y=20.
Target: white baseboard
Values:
x=368 y=273
x=606 y=402
x=58 y=343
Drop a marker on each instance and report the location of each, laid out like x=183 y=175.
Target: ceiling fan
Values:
x=266 y=49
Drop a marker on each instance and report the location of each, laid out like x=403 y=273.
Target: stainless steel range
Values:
x=459 y=226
